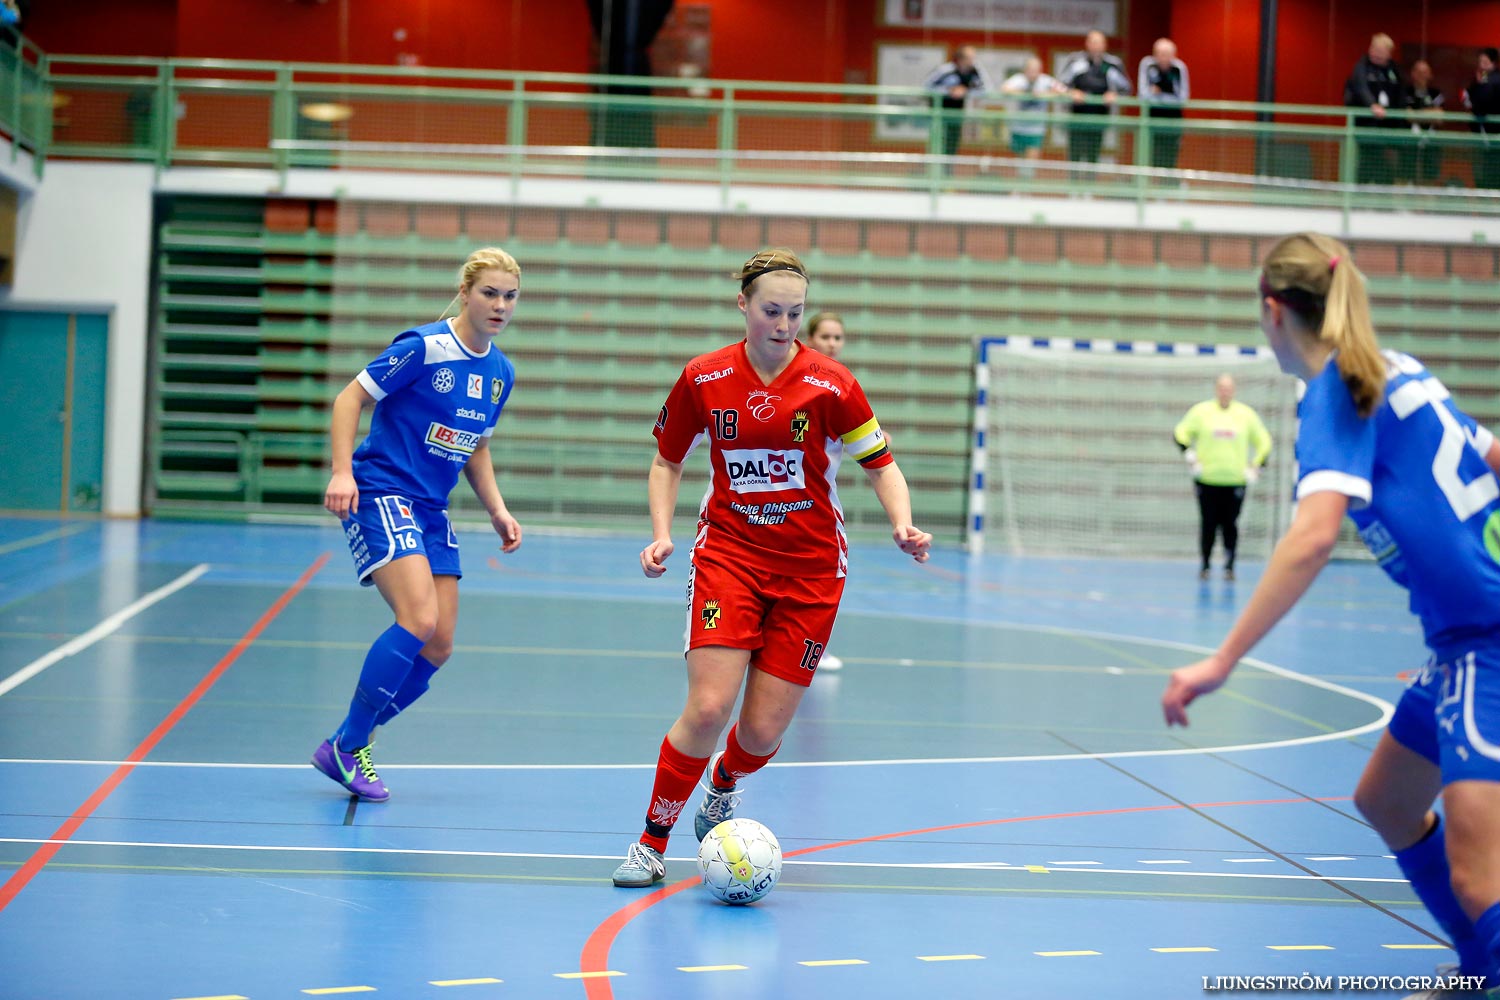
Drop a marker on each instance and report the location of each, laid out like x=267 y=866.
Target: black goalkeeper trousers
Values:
x=1219 y=512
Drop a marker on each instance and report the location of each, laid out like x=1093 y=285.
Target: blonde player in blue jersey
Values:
x=437 y=391
x=1381 y=441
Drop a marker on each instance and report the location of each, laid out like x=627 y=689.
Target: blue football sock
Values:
x=1425 y=864
x=1487 y=930
x=411 y=689
x=386 y=666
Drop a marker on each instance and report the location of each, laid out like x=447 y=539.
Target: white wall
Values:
x=83 y=242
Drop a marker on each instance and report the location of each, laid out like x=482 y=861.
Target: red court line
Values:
x=595 y=957
x=45 y=853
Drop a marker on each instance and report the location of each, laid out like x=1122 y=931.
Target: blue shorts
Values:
x=390 y=527
x=1451 y=715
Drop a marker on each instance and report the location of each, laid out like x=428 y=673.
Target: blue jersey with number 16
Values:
x=1420 y=493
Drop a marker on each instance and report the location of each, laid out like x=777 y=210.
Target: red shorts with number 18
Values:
x=784 y=620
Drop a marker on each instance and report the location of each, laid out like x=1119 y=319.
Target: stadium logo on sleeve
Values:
x=442 y=380
x=714 y=376
x=823 y=384
x=762 y=405
x=756 y=470
x=710 y=614
x=497 y=389
x=799 y=426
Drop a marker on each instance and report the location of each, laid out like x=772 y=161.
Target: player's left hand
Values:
x=509 y=530
x=1186 y=684
x=1252 y=473
x=913 y=541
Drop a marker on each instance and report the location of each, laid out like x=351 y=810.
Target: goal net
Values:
x=1073 y=449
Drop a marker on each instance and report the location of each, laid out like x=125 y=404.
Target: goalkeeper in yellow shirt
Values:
x=1226 y=444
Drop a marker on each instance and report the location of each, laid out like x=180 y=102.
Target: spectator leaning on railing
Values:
x=1421 y=162
x=1162 y=83
x=1482 y=96
x=1376 y=84
x=1026 y=137
x=1091 y=75
x=957 y=80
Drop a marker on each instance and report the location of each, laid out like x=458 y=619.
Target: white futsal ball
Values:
x=740 y=861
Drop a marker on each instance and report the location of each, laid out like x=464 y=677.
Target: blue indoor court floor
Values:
x=983 y=803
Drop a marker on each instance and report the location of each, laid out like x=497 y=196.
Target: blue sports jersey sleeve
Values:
x=1335 y=447
x=397 y=367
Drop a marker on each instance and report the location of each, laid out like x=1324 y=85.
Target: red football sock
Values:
x=737 y=762
x=676 y=776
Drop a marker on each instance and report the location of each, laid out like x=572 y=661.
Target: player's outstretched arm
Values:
x=894 y=496
x=1300 y=555
x=662 y=484
x=479 y=470
x=342 y=496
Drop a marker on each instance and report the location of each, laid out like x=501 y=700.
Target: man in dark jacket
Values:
x=1375 y=84
x=1482 y=96
x=1092 y=76
x=1420 y=162
x=958 y=80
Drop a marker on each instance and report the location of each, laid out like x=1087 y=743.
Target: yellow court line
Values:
x=1180 y=951
x=712 y=968
x=949 y=958
x=1064 y=954
x=1416 y=947
x=463 y=982
x=328 y=990
x=1038 y=869
x=587 y=975
x=1300 y=947
x=835 y=961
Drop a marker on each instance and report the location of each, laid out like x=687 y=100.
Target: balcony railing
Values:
x=726 y=133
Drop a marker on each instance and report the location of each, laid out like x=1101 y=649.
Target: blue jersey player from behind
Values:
x=1381 y=441
x=437 y=391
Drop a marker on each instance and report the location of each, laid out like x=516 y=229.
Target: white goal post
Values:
x=1073 y=451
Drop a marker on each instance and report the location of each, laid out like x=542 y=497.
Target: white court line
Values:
x=104 y=628
x=924 y=866
x=1386 y=711
x=43 y=538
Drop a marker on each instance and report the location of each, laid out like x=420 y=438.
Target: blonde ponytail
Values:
x=1314 y=276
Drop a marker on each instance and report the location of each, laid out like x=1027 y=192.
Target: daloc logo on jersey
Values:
x=799 y=426
x=497 y=389
x=757 y=470
x=476 y=386
x=710 y=614
x=442 y=380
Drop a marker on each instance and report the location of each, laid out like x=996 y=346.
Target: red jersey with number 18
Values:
x=774 y=452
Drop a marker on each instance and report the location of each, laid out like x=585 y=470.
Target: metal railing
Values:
x=26 y=98
x=280 y=117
